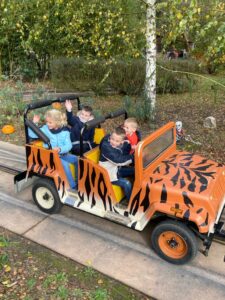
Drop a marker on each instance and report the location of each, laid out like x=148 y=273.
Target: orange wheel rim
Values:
x=172 y=244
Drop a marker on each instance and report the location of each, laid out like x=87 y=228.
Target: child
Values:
x=59 y=137
x=77 y=123
x=132 y=134
x=112 y=157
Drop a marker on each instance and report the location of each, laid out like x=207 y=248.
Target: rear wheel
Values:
x=46 y=196
x=174 y=242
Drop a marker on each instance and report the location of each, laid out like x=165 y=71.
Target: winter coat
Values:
x=127 y=146
x=76 y=127
x=58 y=138
x=112 y=158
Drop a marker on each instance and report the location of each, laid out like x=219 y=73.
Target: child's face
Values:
x=51 y=123
x=85 y=115
x=115 y=140
x=129 y=128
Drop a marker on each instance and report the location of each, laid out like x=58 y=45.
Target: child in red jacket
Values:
x=132 y=134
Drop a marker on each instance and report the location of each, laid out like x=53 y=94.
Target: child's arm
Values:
x=68 y=105
x=126 y=148
x=72 y=121
x=36 y=119
x=64 y=145
x=116 y=156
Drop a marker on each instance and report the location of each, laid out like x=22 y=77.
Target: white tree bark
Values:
x=150 y=81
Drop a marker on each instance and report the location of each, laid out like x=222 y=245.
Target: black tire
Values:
x=46 y=196
x=174 y=242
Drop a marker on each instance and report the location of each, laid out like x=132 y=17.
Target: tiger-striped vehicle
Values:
x=183 y=192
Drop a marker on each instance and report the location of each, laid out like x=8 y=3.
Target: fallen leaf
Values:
x=88 y=262
x=7 y=268
x=100 y=281
x=12 y=284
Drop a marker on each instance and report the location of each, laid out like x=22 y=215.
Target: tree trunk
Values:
x=150 y=81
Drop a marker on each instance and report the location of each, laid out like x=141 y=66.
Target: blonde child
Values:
x=132 y=134
x=57 y=132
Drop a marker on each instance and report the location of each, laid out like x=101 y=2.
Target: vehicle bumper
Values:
x=217 y=232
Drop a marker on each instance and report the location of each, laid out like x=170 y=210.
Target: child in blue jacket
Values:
x=59 y=136
x=77 y=123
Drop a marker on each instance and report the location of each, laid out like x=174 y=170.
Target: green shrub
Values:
x=139 y=108
x=77 y=73
x=123 y=76
x=11 y=102
x=127 y=77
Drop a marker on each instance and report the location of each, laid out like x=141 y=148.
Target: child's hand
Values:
x=36 y=118
x=133 y=147
x=57 y=149
x=68 y=105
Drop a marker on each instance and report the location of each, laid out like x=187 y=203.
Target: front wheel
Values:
x=46 y=196
x=174 y=242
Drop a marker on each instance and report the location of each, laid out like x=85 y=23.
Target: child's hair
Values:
x=57 y=116
x=87 y=108
x=133 y=122
x=119 y=131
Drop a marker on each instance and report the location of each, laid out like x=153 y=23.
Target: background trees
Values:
x=33 y=32
x=197 y=25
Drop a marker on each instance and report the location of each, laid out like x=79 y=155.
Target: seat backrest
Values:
x=99 y=135
x=93 y=154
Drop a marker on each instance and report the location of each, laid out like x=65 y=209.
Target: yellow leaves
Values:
x=179 y=15
x=100 y=281
x=6 y=282
x=89 y=262
x=137 y=54
x=7 y=268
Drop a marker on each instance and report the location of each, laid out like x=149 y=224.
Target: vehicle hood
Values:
x=192 y=176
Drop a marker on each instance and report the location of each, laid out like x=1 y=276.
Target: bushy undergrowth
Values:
x=11 y=102
x=123 y=76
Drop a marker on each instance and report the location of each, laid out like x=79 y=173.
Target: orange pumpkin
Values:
x=8 y=129
x=56 y=105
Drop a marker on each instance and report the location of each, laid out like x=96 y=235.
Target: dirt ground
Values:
x=29 y=271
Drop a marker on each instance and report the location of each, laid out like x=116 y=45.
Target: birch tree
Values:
x=150 y=83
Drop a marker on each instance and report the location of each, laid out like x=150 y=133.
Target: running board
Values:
x=117 y=218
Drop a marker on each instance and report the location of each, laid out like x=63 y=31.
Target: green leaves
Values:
x=197 y=21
